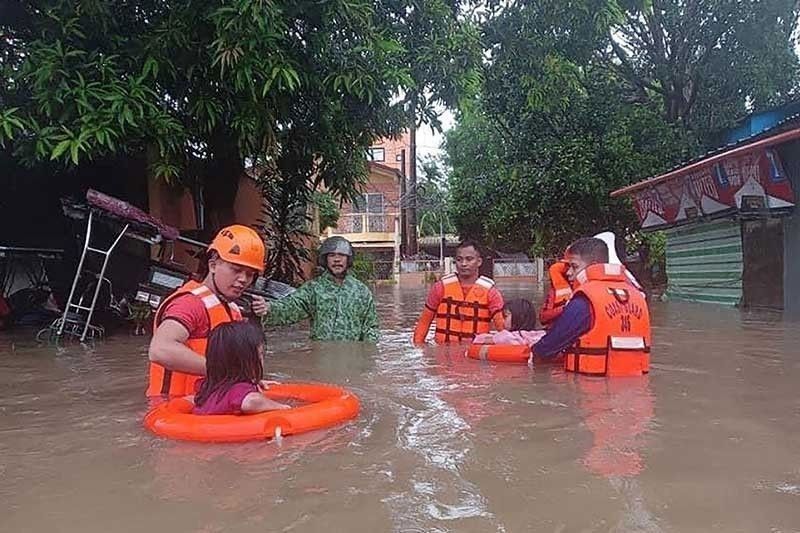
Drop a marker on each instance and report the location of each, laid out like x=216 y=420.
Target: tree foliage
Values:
x=327 y=209
x=200 y=87
x=200 y=80
x=582 y=97
x=706 y=61
x=433 y=198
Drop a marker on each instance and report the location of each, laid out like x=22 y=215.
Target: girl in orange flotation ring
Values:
x=233 y=372
x=323 y=406
x=232 y=405
x=513 y=344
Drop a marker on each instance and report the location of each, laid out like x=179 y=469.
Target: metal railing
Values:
x=420 y=265
x=366 y=223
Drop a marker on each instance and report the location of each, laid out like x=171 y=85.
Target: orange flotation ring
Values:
x=327 y=405
x=501 y=353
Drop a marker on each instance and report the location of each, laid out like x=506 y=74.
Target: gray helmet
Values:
x=335 y=245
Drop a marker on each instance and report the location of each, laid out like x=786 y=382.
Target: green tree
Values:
x=201 y=81
x=567 y=113
x=327 y=208
x=432 y=199
x=706 y=62
x=200 y=87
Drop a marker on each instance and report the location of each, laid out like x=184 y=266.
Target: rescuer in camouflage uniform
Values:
x=340 y=307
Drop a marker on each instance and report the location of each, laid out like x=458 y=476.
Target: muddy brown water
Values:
x=709 y=441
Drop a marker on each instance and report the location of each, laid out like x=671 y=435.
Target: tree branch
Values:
x=630 y=71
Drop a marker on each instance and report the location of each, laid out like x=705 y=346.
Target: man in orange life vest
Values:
x=605 y=327
x=185 y=318
x=560 y=289
x=463 y=304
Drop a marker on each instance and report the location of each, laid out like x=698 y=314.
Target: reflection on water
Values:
x=707 y=441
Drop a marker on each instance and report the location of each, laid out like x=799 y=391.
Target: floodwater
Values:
x=709 y=441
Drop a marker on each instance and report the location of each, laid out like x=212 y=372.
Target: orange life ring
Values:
x=501 y=353
x=327 y=405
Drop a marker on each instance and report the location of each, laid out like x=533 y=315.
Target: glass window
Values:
x=377 y=154
x=374 y=203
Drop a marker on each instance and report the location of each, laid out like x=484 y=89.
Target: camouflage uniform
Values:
x=343 y=312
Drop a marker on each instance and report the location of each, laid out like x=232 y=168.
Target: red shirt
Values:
x=436 y=294
x=188 y=310
x=228 y=402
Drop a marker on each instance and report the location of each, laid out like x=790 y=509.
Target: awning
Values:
x=748 y=179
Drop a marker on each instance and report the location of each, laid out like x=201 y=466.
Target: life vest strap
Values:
x=461 y=303
x=459 y=334
x=585 y=350
x=166 y=382
x=451 y=315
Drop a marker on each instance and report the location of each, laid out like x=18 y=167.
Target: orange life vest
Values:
x=562 y=291
x=174 y=383
x=460 y=317
x=618 y=343
x=558 y=295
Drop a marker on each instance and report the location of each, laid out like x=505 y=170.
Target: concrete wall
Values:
x=503 y=269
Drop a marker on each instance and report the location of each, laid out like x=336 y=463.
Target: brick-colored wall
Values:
x=382 y=182
x=392 y=149
x=390 y=191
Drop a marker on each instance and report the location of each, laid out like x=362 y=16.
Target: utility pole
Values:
x=412 y=190
x=441 y=242
x=404 y=230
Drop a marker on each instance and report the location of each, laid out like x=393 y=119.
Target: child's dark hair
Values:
x=523 y=314
x=232 y=357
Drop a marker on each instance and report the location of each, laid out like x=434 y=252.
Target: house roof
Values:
x=786 y=130
x=252 y=171
x=385 y=169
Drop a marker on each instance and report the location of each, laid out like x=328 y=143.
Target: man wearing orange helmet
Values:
x=186 y=317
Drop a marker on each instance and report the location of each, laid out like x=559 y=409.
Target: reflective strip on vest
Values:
x=210 y=301
x=563 y=293
x=627 y=343
x=485 y=282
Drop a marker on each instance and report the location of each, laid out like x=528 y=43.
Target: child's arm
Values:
x=255 y=402
x=498 y=321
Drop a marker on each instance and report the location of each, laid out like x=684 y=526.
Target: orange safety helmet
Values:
x=239 y=245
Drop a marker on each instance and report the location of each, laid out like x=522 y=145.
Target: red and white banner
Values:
x=753 y=182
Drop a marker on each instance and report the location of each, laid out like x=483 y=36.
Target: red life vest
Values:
x=460 y=316
x=618 y=342
x=174 y=383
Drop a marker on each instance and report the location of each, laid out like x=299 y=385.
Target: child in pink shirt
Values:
x=520 y=323
x=234 y=370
